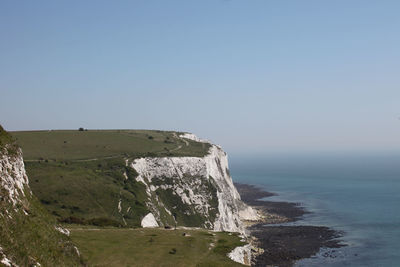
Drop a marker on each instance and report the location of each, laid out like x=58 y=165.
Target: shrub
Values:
x=104 y=222
x=72 y=220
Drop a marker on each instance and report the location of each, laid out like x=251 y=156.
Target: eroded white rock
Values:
x=193 y=137
x=4 y=260
x=247 y=213
x=241 y=255
x=185 y=173
x=13 y=176
x=149 y=221
x=62 y=230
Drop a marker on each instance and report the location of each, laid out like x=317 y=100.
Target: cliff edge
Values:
x=193 y=191
x=28 y=235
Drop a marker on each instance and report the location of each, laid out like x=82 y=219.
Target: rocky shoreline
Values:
x=283 y=245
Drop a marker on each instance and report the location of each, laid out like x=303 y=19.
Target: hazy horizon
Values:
x=253 y=76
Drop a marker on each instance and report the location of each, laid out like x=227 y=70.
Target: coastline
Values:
x=280 y=245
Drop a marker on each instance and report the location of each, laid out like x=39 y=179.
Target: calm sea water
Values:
x=357 y=194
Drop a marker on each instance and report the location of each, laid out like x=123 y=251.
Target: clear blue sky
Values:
x=253 y=76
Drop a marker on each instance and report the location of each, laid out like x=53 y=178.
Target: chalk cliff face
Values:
x=13 y=178
x=28 y=236
x=13 y=182
x=193 y=191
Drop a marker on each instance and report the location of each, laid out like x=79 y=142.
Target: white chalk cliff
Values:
x=13 y=178
x=202 y=185
x=13 y=187
x=22 y=220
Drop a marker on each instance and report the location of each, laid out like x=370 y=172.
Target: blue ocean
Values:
x=358 y=194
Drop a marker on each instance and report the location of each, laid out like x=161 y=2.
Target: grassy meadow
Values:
x=155 y=247
x=95 y=144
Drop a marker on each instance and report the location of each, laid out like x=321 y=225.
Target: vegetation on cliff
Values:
x=7 y=142
x=91 y=192
x=84 y=180
x=28 y=234
x=82 y=177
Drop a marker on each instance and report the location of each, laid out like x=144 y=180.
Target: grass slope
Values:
x=30 y=238
x=94 y=144
x=89 y=192
x=27 y=239
x=155 y=247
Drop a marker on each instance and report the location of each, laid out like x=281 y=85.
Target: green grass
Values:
x=89 y=192
x=27 y=239
x=94 y=144
x=5 y=138
x=8 y=142
x=155 y=247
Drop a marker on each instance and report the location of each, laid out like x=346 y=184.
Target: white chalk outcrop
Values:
x=13 y=176
x=197 y=181
x=4 y=260
x=62 y=230
x=247 y=213
x=149 y=221
x=241 y=255
x=19 y=212
x=193 y=137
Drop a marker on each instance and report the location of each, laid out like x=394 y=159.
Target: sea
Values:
x=355 y=193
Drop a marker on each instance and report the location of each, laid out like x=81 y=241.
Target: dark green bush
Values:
x=104 y=222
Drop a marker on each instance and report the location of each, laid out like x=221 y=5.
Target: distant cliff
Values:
x=28 y=235
x=128 y=178
x=192 y=191
x=133 y=178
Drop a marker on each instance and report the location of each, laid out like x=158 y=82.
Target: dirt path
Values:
x=93 y=159
x=186 y=142
x=180 y=139
x=78 y=160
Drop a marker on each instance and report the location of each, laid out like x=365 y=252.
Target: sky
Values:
x=255 y=76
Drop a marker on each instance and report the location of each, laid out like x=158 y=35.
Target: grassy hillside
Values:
x=94 y=144
x=27 y=239
x=89 y=192
x=155 y=247
x=27 y=231
x=80 y=176
x=5 y=137
x=7 y=142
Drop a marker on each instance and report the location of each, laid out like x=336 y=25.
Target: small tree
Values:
x=81 y=129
